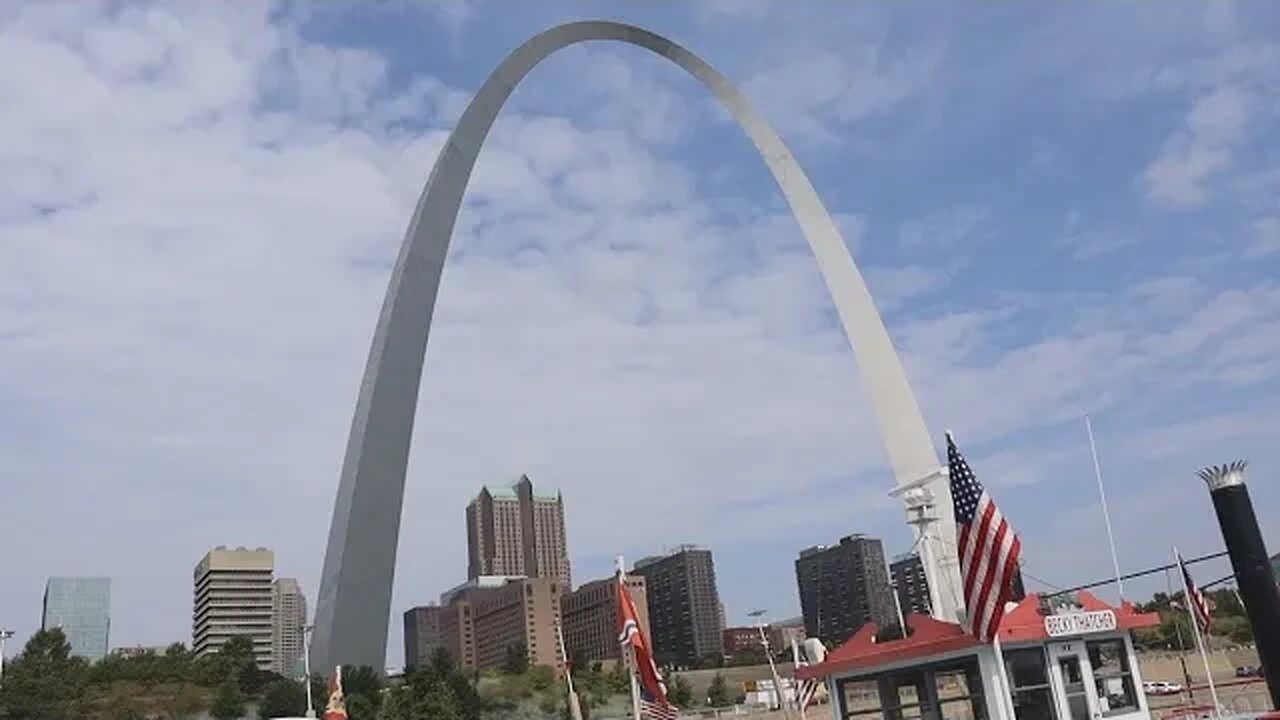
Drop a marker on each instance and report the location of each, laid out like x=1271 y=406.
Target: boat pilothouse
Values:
x=1069 y=657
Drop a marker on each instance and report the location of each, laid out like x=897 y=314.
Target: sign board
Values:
x=1079 y=623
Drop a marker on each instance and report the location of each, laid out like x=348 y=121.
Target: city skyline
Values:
x=1023 y=287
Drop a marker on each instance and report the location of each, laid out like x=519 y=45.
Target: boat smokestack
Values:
x=1255 y=577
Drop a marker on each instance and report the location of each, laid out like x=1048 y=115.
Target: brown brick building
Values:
x=739 y=639
x=513 y=531
x=590 y=616
x=481 y=620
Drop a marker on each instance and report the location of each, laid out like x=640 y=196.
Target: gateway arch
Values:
x=354 y=604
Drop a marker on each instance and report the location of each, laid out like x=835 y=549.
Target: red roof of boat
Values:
x=930 y=637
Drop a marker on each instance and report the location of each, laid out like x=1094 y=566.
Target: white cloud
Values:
x=1200 y=150
x=945 y=229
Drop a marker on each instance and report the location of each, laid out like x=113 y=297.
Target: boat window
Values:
x=1029 y=678
x=959 y=692
x=907 y=695
x=860 y=698
x=1112 y=676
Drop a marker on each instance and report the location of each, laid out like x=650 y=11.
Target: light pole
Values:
x=4 y=635
x=773 y=669
x=306 y=666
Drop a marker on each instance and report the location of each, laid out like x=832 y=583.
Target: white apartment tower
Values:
x=233 y=595
x=289 y=606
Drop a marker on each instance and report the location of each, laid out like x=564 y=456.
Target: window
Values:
x=906 y=696
x=860 y=699
x=959 y=692
x=1032 y=699
x=1111 y=675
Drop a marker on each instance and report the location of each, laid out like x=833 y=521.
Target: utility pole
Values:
x=773 y=669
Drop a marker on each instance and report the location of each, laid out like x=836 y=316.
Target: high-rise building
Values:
x=81 y=606
x=233 y=596
x=908 y=576
x=843 y=586
x=514 y=531
x=590 y=617
x=422 y=636
x=684 y=606
x=487 y=619
x=288 y=627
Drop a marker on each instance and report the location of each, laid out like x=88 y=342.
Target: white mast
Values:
x=1106 y=514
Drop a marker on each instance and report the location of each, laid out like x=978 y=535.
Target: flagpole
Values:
x=1106 y=514
x=575 y=710
x=1195 y=627
x=1182 y=645
x=630 y=657
x=1002 y=674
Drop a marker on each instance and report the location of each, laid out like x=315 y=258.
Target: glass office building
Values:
x=82 y=608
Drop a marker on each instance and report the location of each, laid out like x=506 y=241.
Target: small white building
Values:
x=1068 y=660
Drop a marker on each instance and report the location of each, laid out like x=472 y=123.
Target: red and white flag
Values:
x=635 y=645
x=1196 y=599
x=336 y=709
x=988 y=549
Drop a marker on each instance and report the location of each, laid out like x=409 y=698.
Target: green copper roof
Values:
x=508 y=492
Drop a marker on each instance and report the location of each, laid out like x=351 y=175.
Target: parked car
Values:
x=1161 y=687
x=1248 y=671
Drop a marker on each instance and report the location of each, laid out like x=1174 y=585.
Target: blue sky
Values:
x=1060 y=210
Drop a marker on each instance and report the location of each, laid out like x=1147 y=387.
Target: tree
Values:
x=360 y=707
x=541 y=677
x=361 y=680
x=228 y=703
x=717 y=693
x=517 y=659
x=283 y=698
x=680 y=693
x=45 y=681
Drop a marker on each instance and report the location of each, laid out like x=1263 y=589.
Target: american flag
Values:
x=636 y=647
x=988 y=549
x=650 y=710
x=1199 y=603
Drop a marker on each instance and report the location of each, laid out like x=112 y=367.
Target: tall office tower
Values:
x=232 y=596
x=913 y=587
x=684 y=606
x=81 y=606
x=843 y=586
x=422 y=636
x=513 y=531
x=590 y=617
x=288 y=627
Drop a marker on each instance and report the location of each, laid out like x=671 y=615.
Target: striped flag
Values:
x=650 y=710
x=337 y=706
x=806 y=690
x=636 y=646
x=988 y=549
x=1199 y=603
